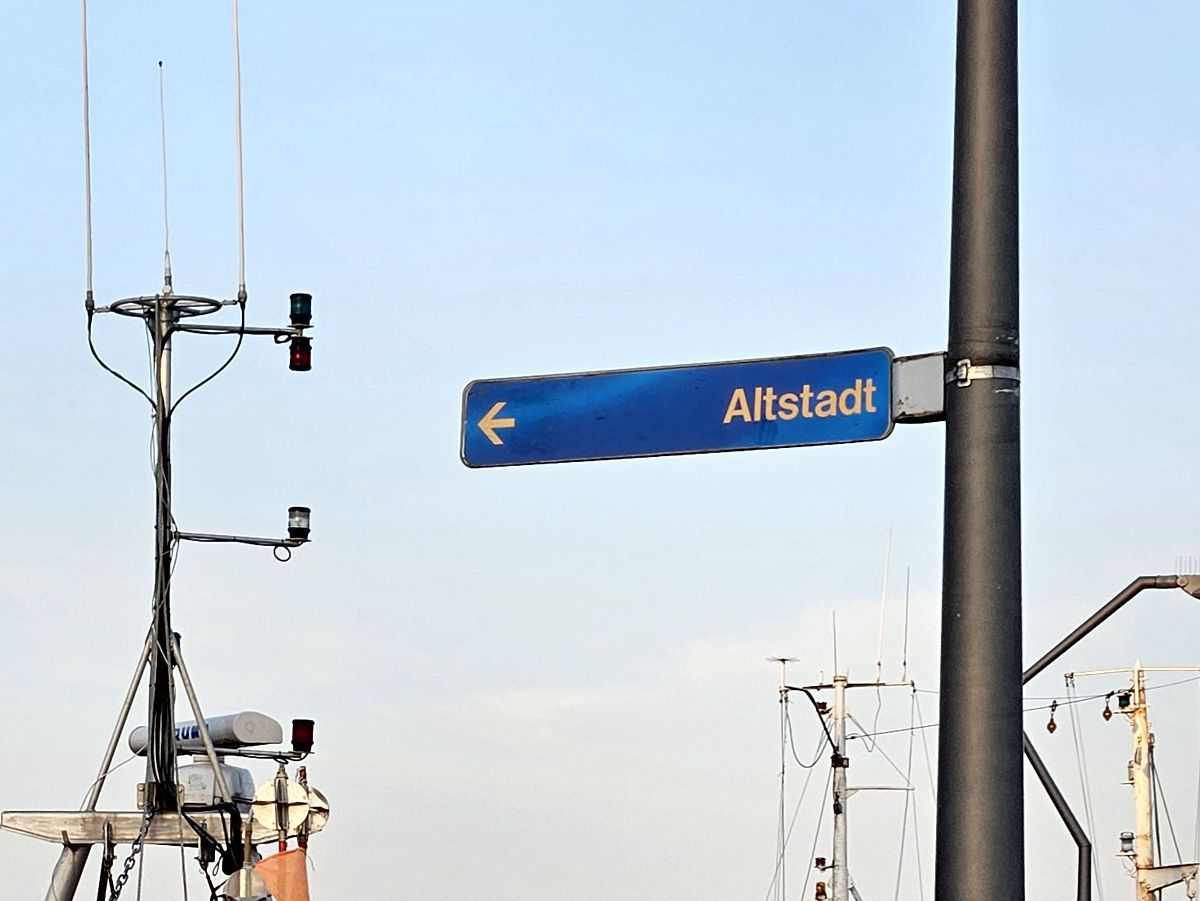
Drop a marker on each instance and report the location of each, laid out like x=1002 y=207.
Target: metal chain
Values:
x=134 y=850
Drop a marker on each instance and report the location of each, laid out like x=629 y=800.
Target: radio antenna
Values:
x=887 y=565
x=836 y=671
x=237 y=81
x=162 y=121
x=87 y=166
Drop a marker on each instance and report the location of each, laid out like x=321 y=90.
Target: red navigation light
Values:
x=300 y=358
x=302 y=736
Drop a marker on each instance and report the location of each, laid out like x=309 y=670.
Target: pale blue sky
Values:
x=548 y=682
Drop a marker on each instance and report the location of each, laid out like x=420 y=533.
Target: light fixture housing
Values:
x=301 y=309
x=300 y=354
x=302 y=736
x=299 y=522
x=1126 y=842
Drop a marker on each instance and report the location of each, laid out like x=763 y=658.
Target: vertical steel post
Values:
x=980 y=825
x=160 y=747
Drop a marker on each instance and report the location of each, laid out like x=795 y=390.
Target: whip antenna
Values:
x=887 y=565
x=162 y=121
x=237 y=81
x=87 y=165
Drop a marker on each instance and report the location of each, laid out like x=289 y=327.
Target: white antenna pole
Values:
x=162 y=121
x=887 y=565
x=87 y=161
x=840 y=888
x=836 y=671
x=904 y=660
x=237 y=79
x=780 y=886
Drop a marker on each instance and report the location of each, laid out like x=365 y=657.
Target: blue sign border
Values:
x=503 y=421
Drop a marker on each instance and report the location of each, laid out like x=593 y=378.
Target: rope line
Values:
x=773 y=887
x=912 y=736
x=817 y=835
x=1159 y=793
x=1084 y=784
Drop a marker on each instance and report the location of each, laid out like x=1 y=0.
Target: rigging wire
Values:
x=917 y=848
x=887 y=566
x=1085 y=785
x=883 y=753
x=817 y=833
x=182 y=862
x=925 y=745
x=1156 y=786
x=1107 y=694
x=912 y=736
x=772 y=888
x=1155 y=829
x=870 y=749
x=105 y=775
x=1068 y=703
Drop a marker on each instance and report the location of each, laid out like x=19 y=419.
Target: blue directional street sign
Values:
x=705 y=408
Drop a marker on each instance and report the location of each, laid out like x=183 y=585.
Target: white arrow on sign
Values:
x=490 y=423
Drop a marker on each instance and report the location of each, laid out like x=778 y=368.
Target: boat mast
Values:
x=842 y=884
x=839 y=764
x=1149 y=878
x=1140 y=775
x=161 y=793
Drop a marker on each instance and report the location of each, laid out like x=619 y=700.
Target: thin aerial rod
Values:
x=237 y=81
x=904 y=654
x=87 y=160
x=162 y=122
x=887 y=565
x=836 y=671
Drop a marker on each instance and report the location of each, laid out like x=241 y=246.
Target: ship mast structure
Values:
x=218 y=817
x=834 y=719
x=1150 y=878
